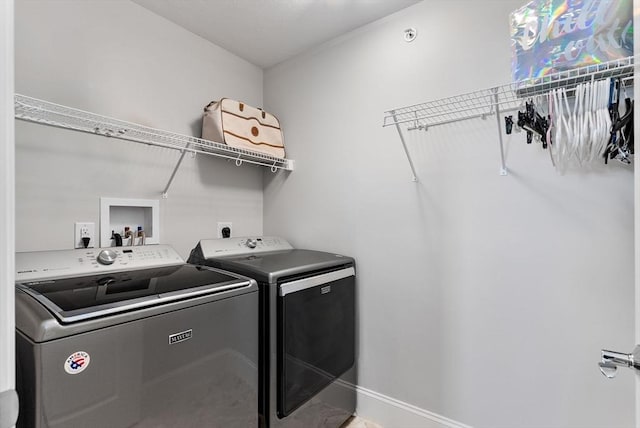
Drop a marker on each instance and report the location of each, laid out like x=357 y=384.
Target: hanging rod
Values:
x=47 y=113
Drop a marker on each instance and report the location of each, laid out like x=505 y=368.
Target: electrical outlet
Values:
x=221 y=227
x=85 y=230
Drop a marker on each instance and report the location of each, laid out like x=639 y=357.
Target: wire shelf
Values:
x=621 y=68
x=497 y=100
x=47 y=113
x=478 y=104
x=486 y=102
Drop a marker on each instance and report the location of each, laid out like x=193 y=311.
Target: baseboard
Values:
x=392 y=413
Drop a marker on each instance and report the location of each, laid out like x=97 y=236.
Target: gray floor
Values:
x=357 y=422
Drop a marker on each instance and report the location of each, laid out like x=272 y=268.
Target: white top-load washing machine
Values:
x=134 y=337
x=307 y=327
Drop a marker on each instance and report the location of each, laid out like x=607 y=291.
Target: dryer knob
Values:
x=107 y=257
x=251 y=243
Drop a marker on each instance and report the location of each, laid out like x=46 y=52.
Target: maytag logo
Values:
x=180 y=337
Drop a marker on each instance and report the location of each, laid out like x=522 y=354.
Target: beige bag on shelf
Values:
x=243 y=127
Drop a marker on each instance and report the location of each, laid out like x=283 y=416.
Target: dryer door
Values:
x=316 y=335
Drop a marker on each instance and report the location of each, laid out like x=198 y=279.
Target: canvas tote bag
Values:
x=244 y=127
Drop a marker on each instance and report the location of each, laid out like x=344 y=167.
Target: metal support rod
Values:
x=173 y=174
x=446 y=122
x=404 y=145
x=503 y=167
x=460 y=119
x=457 y=111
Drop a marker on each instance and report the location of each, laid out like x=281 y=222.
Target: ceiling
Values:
x=266 y=32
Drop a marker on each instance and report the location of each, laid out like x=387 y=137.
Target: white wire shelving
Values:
x=497 y=100
x=47 y=113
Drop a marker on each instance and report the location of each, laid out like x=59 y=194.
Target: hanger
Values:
x=535 y=124
x=621 y=135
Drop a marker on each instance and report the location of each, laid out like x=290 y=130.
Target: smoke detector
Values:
x=410 y=34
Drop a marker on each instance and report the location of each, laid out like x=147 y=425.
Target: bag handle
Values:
x=209 y=105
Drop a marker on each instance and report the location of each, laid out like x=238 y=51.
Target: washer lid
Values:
x=80 y=298
x=272 y=266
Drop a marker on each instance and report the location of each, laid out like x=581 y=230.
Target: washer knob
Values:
x=107 y=257
x=251 y=243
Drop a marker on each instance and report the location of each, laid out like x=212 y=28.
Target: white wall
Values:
x=7 y=216
x=482 y=298
x=117 y=59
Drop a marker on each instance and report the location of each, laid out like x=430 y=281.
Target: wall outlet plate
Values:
x=222 y=225
x=84 y=230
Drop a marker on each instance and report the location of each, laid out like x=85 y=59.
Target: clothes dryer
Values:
x=307 y=328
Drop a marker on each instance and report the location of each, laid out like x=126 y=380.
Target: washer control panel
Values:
x=244 y=245
x=86 y=261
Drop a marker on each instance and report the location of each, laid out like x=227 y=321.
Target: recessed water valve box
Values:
x=139 y=216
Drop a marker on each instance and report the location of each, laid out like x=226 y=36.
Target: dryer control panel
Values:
x=244 y=245
x=86 y=261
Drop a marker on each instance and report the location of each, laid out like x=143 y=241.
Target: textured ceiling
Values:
x=266 y=32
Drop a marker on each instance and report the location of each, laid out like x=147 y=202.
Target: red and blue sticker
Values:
x=77 y=362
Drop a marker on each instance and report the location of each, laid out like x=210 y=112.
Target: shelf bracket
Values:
x=183 y=152
x=503 y=166
x=404 y=145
